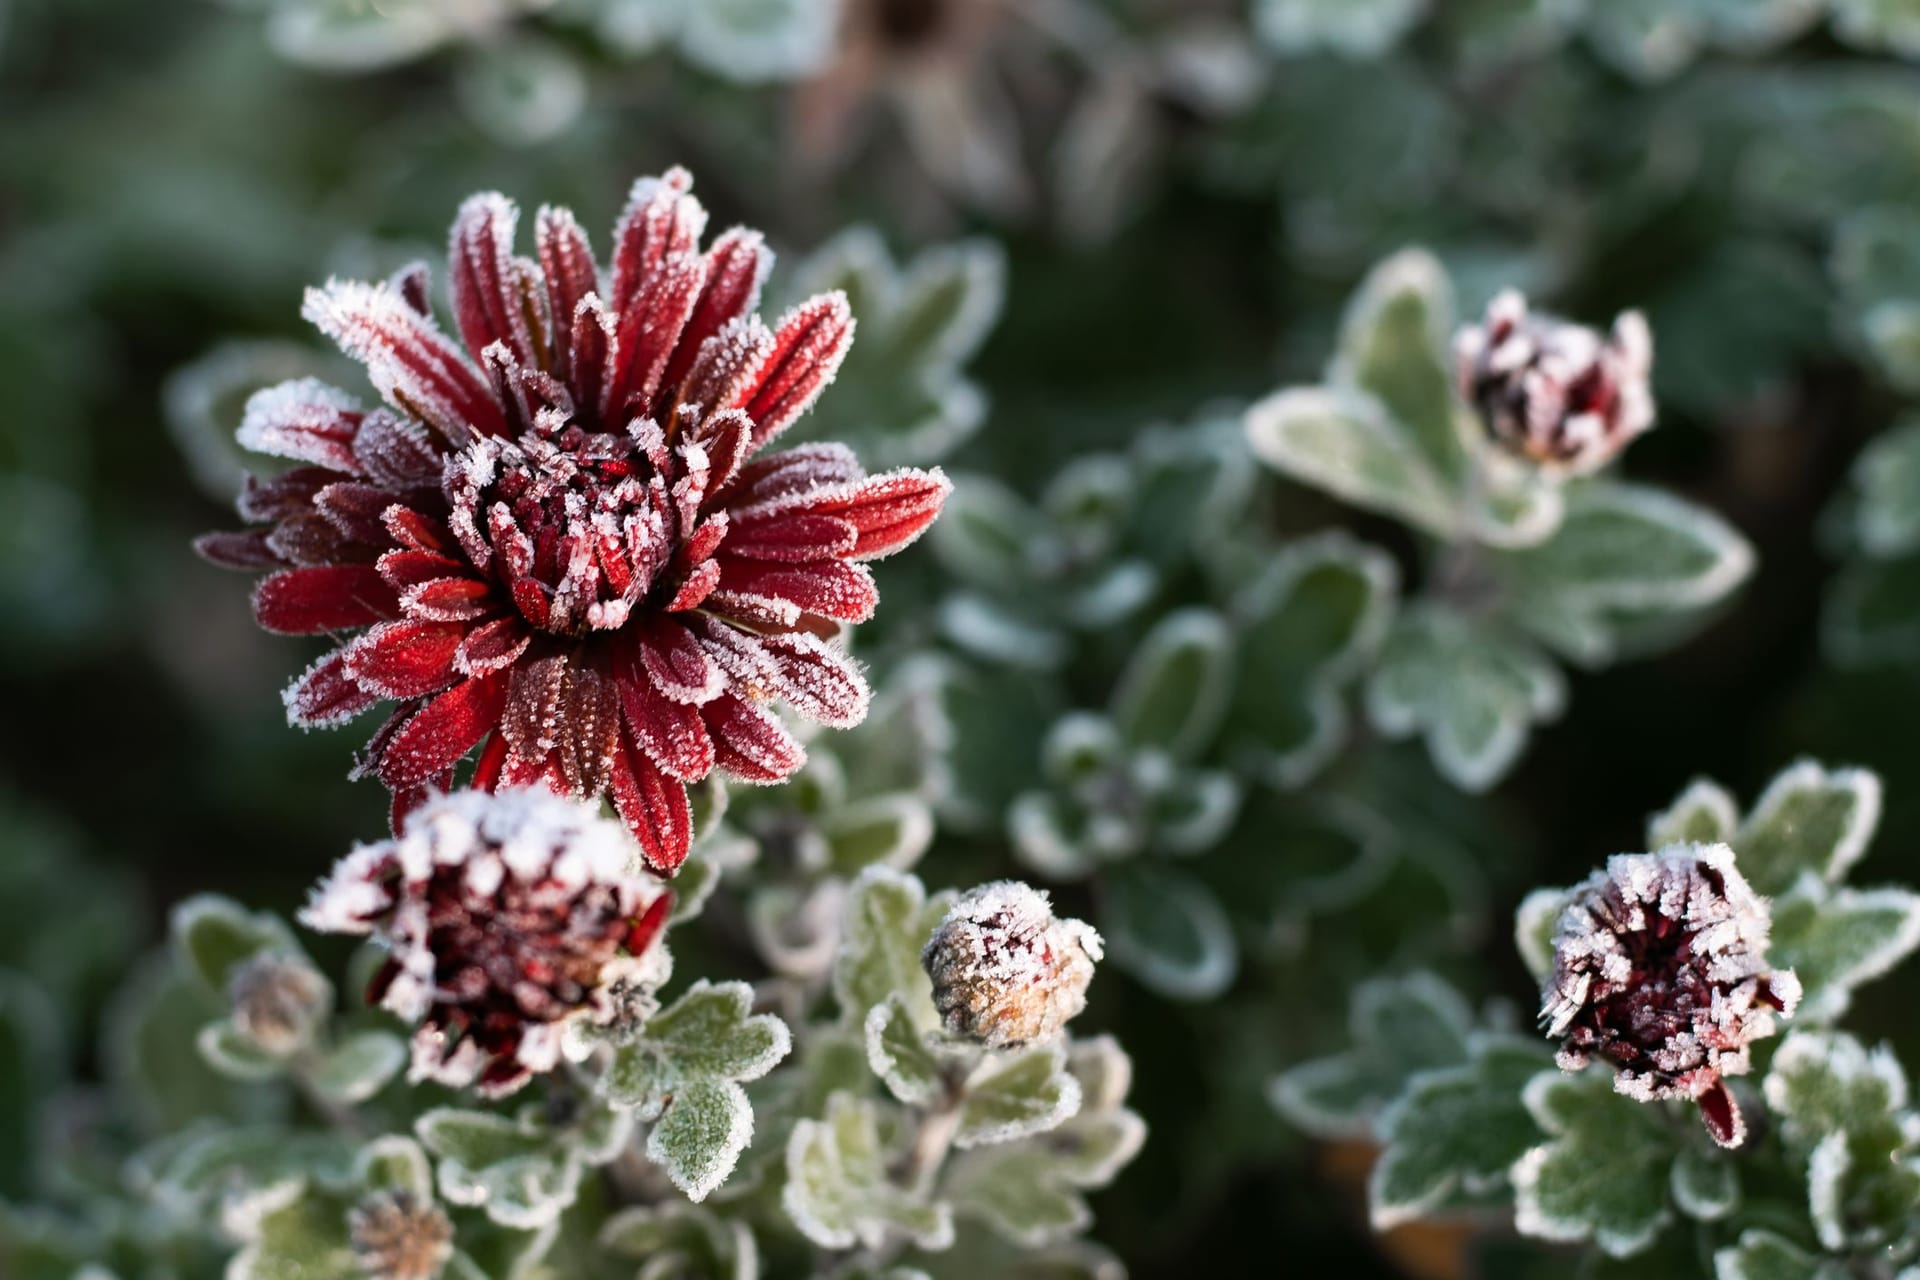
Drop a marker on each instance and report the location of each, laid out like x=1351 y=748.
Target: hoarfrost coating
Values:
x=1005 y=970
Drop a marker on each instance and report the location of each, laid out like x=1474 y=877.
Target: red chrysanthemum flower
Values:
x=558 y=545
x=506 y=917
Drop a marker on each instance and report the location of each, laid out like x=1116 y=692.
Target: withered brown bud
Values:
x=1005 y=970
x=277 y=1001
x=396 y=1236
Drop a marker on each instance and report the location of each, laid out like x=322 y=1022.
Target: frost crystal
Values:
x=398 y=1237
x=1659 y=967
x=1005 y=971
x=507 y=917
x=1553 y=392
x=561 y=542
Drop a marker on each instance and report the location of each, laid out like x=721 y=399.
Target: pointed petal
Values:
x=566 y=261
x=671 y=733
x=661 y=219
x=737 y=266
x=677 y=665
x=655 y=809
x=434 y=739
x=411 y=363
x=248 y=549
x=492 y=645
x=305 y=420
x=304 y=602
x=831 y=588
x=325 y=695
x=750 y=744
x=405 y=659
x=649 y=330
x=486 y=281
x=808 y=346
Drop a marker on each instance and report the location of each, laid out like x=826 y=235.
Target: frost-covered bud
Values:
x=1553 y=392
x=396 y=1236
x=1005 y=970
x=278 y=1001
x=1660 y=968
x=507 y=918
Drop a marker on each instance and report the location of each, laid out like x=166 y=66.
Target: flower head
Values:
x=561 y=541
x=278 y=1001
x=507 y=917
x=1005 y=970
x=1553 y=392
x=396 y=1236
x=1659 y=968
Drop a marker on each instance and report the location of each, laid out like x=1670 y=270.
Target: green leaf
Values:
x=358 y=1067
x=1177 y=684
x=150 y=1043
x=1603 y=1174
x=838 y=1193
x=236 y=1056
x=215 y=935
x=1762 y=1255
x=676 y=1239
x=305 y=1239
x=1873 y=613
x=888 y=921
x=1353 y=28
x=509 y=1168
x=1809 y=819
x=1014 y=1095
x=1307 y=626
x=1887 y=476
x=1706 y=1185
x=1704 y=814
x=1167 y=929
x=1399 y=1028
x=899 y=1054
x=984 y=533
x=1827 y=1081
x=1836 y=939
x=1472 y=691
x=1455 y=1132
x=893 y=829
x=1345 y=443
x=1890 y=25
x=684 y=1072
x=1534 y=923
x=394 y=1162
x=1394 y=346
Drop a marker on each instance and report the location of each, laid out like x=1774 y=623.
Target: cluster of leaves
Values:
x=1471 y=1117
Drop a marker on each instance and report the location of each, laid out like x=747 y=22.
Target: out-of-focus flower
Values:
x=1005 y=970
x=1659 y=968
x=278 y=1001
x=1553 y=392
x=506 y=917
x=396 y=1236
x=558 y=545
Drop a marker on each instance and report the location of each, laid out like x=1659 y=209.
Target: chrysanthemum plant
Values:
x=568 y=551
x=1488 y=442
x=1705 y=978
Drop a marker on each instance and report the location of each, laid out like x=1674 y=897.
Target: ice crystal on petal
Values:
x=1659 y=968
x=556 y=542
x=1005 y=970
x=507 y=917
x=1557 y=393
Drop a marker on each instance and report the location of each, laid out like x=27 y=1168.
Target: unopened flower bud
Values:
x=1660 y=968
x=1553 y=392
x=397 y=1236
x=1005 y=970
x=277 y=1002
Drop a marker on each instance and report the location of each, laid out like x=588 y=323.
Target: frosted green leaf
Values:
x=508 y=1168
x=1030 y=1192
x=1809 y=819
x=1890 y=25
x=1873 y=613
x=1177 y=684
x=1307 y=626
x=1823 y=1081
x=754 y=41
x=1887 y=477
x=1014 y=1095
x=521 y=90
x=1706 y=1185
x=696 y=880
x=1603 y=1174
x=1394 y=346
x=250 y=1164
x=1353 y=28
x=358 y=1067
x=1534 y=922
x=891 y=830
x=984 y=532
x=1455 y=1132
x=341 y=35
x=154 y=1059
x=1471 y=691
x=1842 y=1107
x=215 y=935
x=236 y=1056
x=888 y=921
x=1704 y=814
x=1344 y=441
x=306 y=1239
x=898 y=1053
x=676 y=1239
x=394 y=1162
x=1169 y=931
x=1399 y=1028
x=838 y=1193
x=1836 y=939
x=684 y=1073
x=1891 y=331
x=1762 y=1255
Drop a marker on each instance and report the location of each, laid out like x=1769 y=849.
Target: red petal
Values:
x=805 y=469
x=724 y=365
x=672 y=733
x=486 y=770
x=589 y=730
x=304 y=602
x=407 y=569
x=415 y=531
x=566 y=260
x=418 y=371
x=749 y=743
x=736 y=266
x=325 y=695
x=1722 y=1115
x=695 y=590
x=310 y=538
x=532 y=713
x=401 y=807
x=305 y=420
x=289 y=493
x=245 y=550
x=655 y=808
x=808 y=346
x=792 y=538
x=650 y=328
x=444 y=730
x=357 y=511
x=648 y=925
x=448 y=599
x=818 y=680
x=677 y=665
x=395 y=453
x=661 y=219
x=486 y=281
x=492 y=645
x=830 y=588
x=407 y=659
